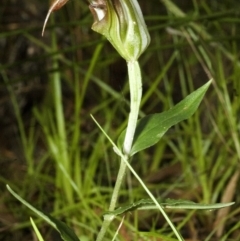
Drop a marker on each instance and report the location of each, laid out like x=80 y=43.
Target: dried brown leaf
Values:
x=227 y=197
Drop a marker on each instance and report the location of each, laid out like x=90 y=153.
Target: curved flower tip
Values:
x=122 y=23
x=57 y=4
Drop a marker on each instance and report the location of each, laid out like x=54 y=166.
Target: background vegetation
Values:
x=49 y=87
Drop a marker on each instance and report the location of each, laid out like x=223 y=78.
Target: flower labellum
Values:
x=57 y=4
x=122 y=23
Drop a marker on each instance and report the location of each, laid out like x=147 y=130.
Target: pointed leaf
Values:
x=66 y=233
x=151 y=128
x=146 y=204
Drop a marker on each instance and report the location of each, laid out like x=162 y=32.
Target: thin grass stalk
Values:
x=61 y=143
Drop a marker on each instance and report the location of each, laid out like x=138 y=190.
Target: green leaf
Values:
x=151 y=128
x=66 y=233
x=146 y=204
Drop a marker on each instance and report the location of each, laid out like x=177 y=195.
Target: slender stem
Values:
x=61 y=155
x=119 y=180
x=135 y=83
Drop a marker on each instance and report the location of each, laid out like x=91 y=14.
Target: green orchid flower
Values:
x=122 y=23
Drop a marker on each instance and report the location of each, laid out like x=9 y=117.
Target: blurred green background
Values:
x=56 y=158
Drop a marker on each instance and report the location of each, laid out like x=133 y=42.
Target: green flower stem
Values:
x=135 y=83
